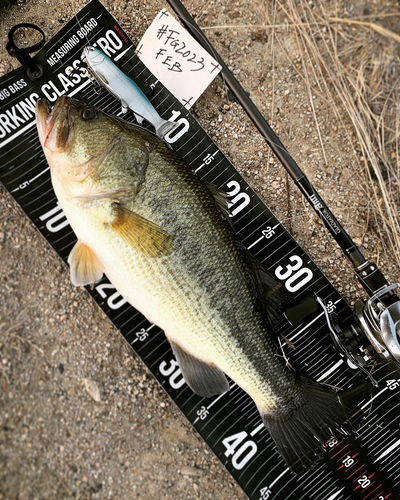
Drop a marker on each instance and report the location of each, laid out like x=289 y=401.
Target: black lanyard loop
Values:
x=35 y=70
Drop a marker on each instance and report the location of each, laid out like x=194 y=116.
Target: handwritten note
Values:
x=176 y=59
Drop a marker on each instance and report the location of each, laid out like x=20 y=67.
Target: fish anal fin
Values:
x=302 y=426
x=205 y=380
x=142 y=234
x=85 y=266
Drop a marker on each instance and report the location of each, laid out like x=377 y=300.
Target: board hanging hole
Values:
x=35 y=71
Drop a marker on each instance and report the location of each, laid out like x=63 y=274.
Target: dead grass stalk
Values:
x=357 y=70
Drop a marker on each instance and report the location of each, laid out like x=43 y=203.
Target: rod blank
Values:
x=369 y=275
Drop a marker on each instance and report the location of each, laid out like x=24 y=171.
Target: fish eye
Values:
x=88 y=113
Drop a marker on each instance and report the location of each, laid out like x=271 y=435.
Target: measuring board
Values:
x=361 y=466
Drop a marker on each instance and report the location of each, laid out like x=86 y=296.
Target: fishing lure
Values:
x=125 y=90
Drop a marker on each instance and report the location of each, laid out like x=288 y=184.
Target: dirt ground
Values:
x=59 y=437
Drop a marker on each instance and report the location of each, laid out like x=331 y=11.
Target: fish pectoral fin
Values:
x=205 y=380
x=142 y=234
x=85 y=267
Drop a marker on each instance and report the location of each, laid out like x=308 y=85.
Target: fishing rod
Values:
x=370 y=276
x=378 y=319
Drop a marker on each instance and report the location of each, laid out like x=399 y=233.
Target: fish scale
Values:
x=199 y=313
x=228 y=321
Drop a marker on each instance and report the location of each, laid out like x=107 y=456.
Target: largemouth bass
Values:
x=162 y=238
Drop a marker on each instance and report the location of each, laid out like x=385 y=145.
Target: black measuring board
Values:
x=360 y=466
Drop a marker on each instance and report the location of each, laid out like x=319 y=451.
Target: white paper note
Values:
x=176 y=59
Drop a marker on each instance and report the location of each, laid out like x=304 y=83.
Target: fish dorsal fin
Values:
x=205 y=380
x=140 y=233
x=220 y=197
x=85 y=267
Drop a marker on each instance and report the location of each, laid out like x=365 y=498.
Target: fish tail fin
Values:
x=164 y=127
x=314 y=415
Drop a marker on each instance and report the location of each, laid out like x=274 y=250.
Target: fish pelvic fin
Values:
x=205 y=380
x=314 y=416
x=85 y=267
x=164 y=127
x=143 y=235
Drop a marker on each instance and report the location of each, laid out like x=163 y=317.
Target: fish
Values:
x=125 y=90
x=162 y=237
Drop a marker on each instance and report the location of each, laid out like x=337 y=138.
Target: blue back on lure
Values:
x=125 y=90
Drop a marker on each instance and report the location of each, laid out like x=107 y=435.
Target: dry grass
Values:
x=355 y=65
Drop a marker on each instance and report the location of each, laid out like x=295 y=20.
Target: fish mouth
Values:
x=54 y=125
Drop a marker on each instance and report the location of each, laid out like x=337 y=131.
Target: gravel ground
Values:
x=80 y=416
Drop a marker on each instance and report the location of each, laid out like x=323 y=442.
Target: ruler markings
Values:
x=186 y=143
x=326 y=374
x=26 y=173
x=377 y=437
x=29 y=192
x=194 y=147
x=316 y=480
x=334 y=496
x=392 y=447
